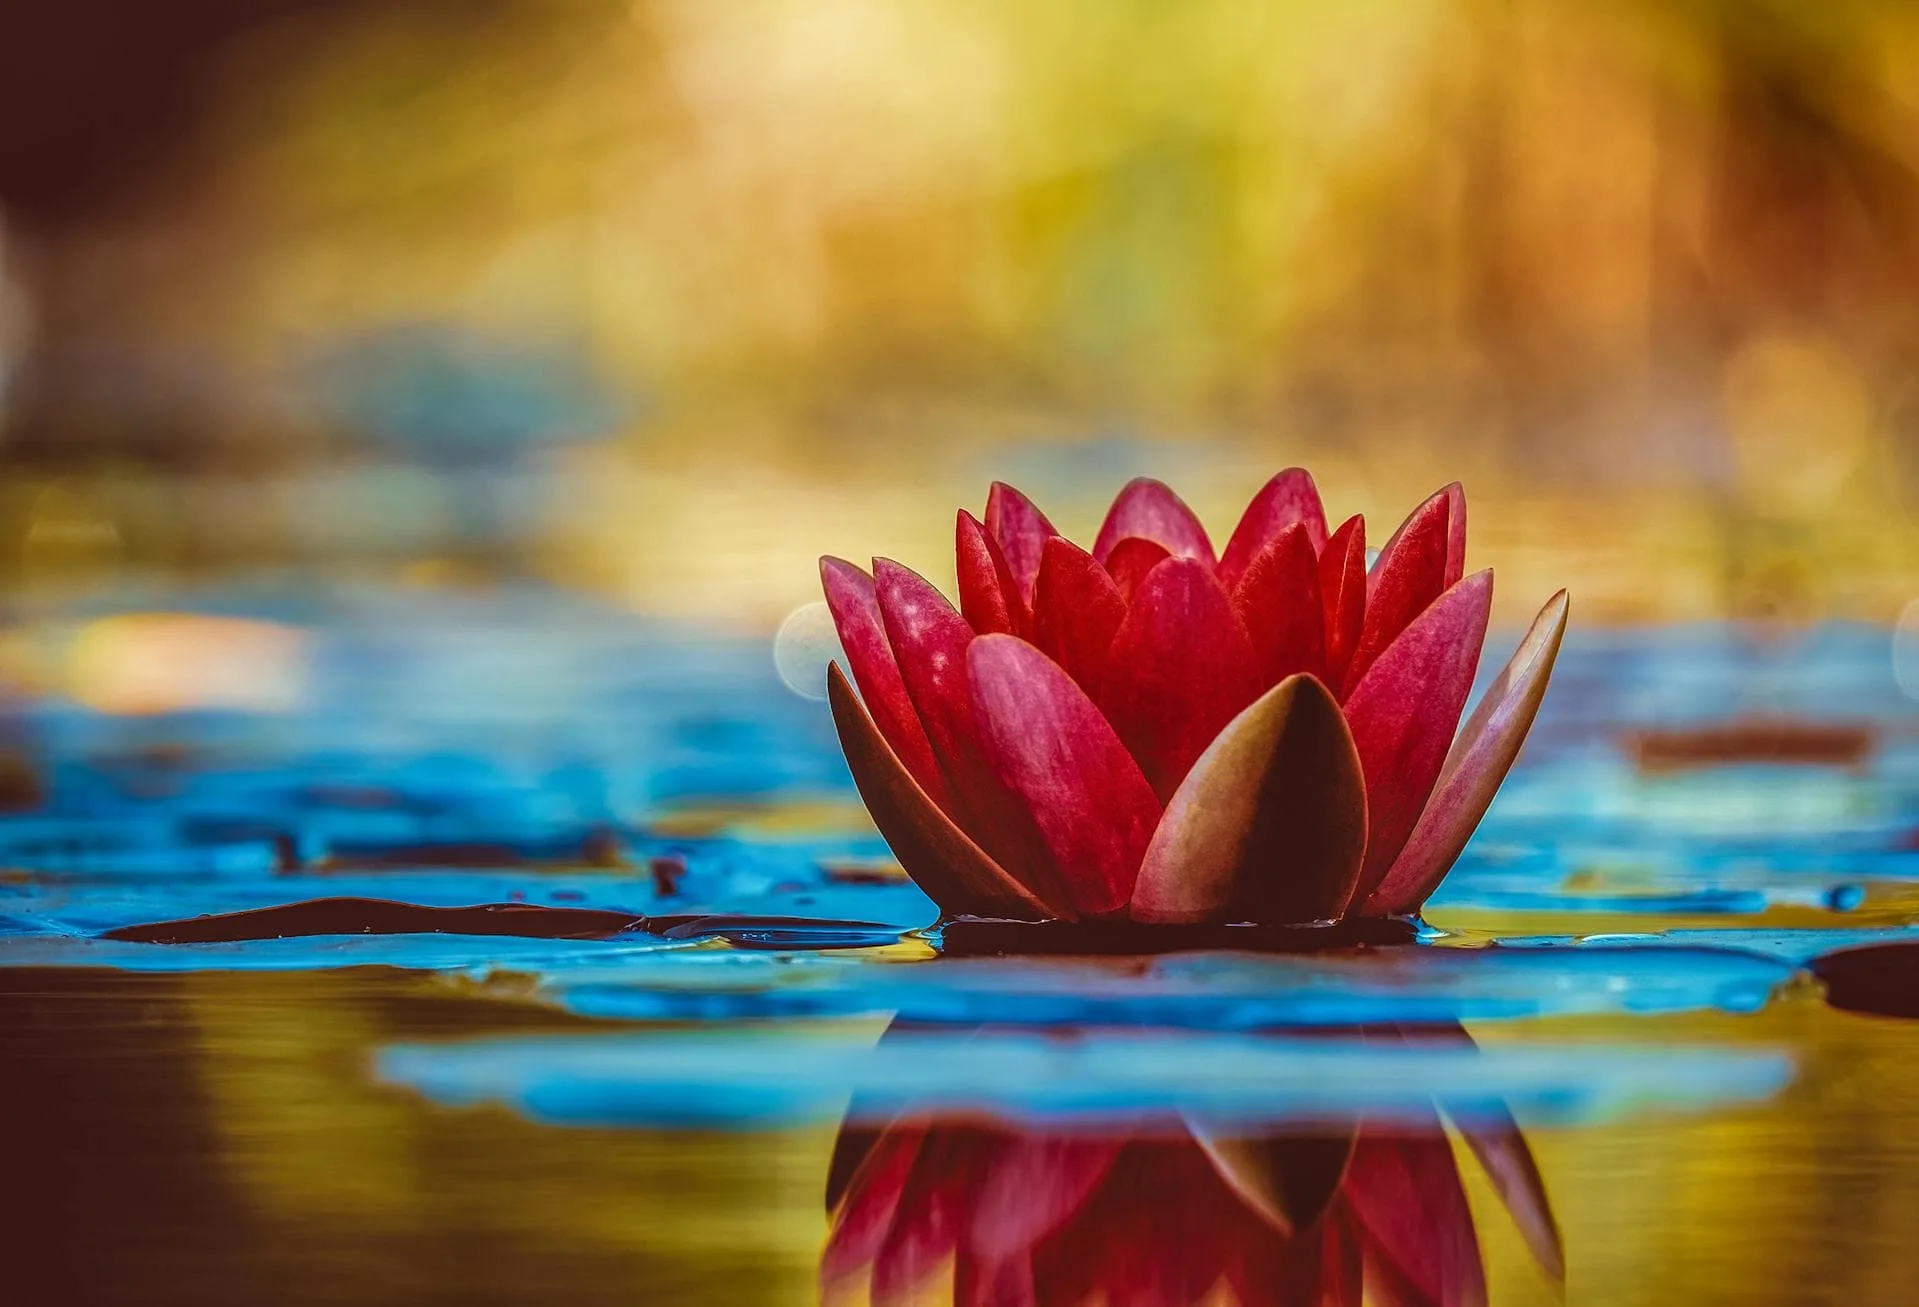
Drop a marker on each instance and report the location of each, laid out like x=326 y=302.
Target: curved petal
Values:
x=1021 y=530
x=1508 y=1161
x=1181 y=668
x=1077 y=610
x=1270 y=823
x=1052 y=747
x=1342 y=593
x=1278 y=603
x=930 y=1214
x=1403 y=713
x=930 y=640
x=989 y=596
x=1130 y=560
x=1149 y=509
x=1404 y=1188
x=955 y=872
x=1455 y=532
x=1032 y=1186
x=856 y=614
x=1475 y=767
x=872 y=1201
x=1290 y=1178
x=1409 y=574
x=1289 y=499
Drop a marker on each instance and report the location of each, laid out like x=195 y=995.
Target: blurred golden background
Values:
x=664 y=298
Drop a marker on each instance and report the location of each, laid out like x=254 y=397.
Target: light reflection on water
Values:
x=381 y=1118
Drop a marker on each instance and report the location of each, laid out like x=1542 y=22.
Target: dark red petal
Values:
x=1181 y=668
x=1508 y=1161
x=1409 y=574
x=1342 y=593
x=1404 y=1188
x=1475 y=766
x=1270 y=825
x=856 y=613
x=872 y=1200
x=1455 y=533
x=931 y=1213
x=930 y=640
x=989 y=596
x=1149 y=509
x=1129 y=562
x=1031 y=1187
x=942 y=860
x=1052 y=747
x=1021 y=530
x=1289 y=1177
x=1289 y=499
x=1076 y=611
x=1403 y=713
x=1278 y=603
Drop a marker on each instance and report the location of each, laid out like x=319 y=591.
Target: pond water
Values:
x=1654 y=1045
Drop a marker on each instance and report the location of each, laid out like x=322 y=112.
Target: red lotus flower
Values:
x=1157 y=732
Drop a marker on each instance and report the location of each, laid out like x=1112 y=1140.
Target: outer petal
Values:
x=1076 y=611
x=1410 y=574
x=931 y=1213
x=1455 y=532
x=1052 y=747
x=1342 y=591
x=856 y=613
x=1278 y=603
x=1129 y=562
x=1289 y=499
x=1181 y=668
x=872 y=1201
x=955 y=872
x=931 y=639
x=1478 y=762
x=1021 y=530
x=989 y=595
x=1270 y=823
x=1033 y=1184
x=1403 y=713
x=1149 y=509
x=1405 y=1190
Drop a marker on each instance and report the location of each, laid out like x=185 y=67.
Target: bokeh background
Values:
x=660 y=299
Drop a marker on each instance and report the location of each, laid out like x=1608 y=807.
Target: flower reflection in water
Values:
x=1172 y=1212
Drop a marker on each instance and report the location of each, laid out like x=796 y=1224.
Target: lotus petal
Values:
x=1403 y=713
x=1404 y=1189
x=1342 y=592
x=1022 y=531
x=1076 y=611
x=1278 y=603
x=942 y=860
x=989 y=596
x=1508 y=1162
x=1455 y=533
x=856 y=613
x=1475 y=767
x=1052 y=747
x=1409 y=574
x=1182 y=667
x=1129 y=562
x=873 y=1199
x=1289 y=1179
x=931 y=1213
x=1289 y=499
x=1150 y=510
x=1031 y=1186
x=1271 y=821
x=931 y=639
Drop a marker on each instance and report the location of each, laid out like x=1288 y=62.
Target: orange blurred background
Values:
x=662 y=299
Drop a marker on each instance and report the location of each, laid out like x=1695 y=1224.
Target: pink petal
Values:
x=1149 y=509
x=1403 y=713
x=931 y=1213
x=1508 y=1162
x=1022 y=531
x=1181 y=668
x=1130 y=560
x=1076 y=611
x=1289 y=499
x=954 y=871
x=1278 y=603
x=856 y=613
x=1032 y=1187
x=1455 y=532
x=871 y=1201
x=1052 y=747
x=1270 y=824
x=1403 y=1186
x=989 y=596
x=1477 y=763
x=1342 y=592
x=1409 y=574
x=930 y=639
